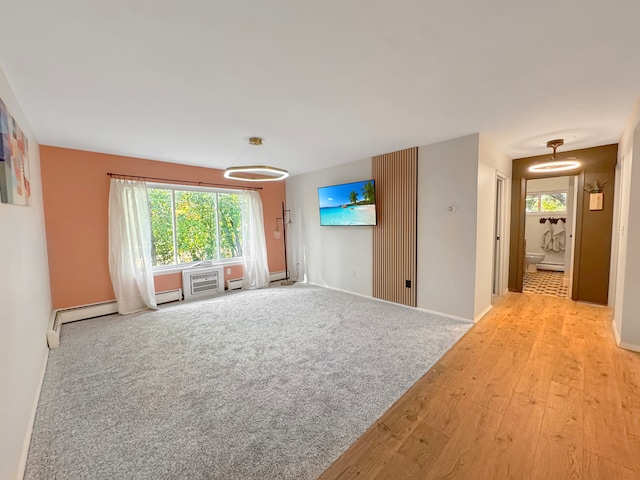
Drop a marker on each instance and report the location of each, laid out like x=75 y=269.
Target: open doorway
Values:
x=550 y=210
x=593 y=227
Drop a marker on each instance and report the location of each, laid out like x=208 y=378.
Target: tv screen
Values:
x=348 y=204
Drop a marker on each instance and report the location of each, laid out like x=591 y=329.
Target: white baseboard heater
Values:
x=84 y=312
x=197 y=282
x=236 y=283
x=558 y=267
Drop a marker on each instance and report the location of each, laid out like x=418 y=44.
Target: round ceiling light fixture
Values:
x=558 y=166
x=255 y=173
x=555 y=165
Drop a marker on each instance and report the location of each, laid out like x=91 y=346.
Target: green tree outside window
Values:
x=191 y=225
x=533 y=203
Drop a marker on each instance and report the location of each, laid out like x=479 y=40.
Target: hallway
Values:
x=537 y=389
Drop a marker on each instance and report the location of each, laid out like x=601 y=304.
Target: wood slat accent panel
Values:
x=395 y=235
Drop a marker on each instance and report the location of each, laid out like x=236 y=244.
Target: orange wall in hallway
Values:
x=76 y=197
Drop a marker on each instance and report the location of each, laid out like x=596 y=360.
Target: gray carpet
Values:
x=266 y=384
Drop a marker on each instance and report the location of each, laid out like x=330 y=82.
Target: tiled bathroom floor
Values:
x=545 y=282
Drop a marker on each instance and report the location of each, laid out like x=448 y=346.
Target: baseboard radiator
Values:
x=84 y=312
x=237 y=283
x=558 y=267
x=234 y=284
x=200 y=283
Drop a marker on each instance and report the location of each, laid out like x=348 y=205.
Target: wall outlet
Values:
x=228 y=271
x=354 y=274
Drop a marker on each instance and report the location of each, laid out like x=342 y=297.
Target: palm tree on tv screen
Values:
x=369 y=192
x=353 y=197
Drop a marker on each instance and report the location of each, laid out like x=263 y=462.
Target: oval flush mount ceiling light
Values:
x=255 y=173
x=558 y=166
x=555 y=165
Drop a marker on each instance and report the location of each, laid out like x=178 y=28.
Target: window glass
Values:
x=533 y=203
x=230 y=222
x=161 y=207
x=553 y=202
x=194 y=225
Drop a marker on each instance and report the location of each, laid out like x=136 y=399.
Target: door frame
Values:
x=500 y=232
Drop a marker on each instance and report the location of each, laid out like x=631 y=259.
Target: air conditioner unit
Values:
x=202 y=282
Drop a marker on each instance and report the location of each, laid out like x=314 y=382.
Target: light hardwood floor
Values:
x=536 y=390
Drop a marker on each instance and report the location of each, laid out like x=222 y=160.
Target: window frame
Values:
x=179 y=267
x=539 y=195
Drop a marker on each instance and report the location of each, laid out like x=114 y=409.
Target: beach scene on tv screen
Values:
x=348 y=204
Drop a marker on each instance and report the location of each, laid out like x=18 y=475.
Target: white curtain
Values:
x=130 y=263
x=254 y=246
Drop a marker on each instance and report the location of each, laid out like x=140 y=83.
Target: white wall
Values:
x=615 y=231
x=491 y=162
x=552 y=184
x=627 y=237
x=455 y=248
x=337 y=257
x=25 y=307
x=447 y=176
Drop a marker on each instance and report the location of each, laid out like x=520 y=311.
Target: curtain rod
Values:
x=192 y=182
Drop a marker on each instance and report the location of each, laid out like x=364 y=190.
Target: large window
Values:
x=546 y=202
x=191 y=225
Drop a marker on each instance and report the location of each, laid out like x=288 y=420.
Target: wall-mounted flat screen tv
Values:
x=348 y=204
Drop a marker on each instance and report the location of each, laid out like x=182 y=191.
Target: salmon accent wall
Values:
x=76 y=198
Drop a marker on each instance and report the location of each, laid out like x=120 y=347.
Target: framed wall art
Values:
x=14 y=161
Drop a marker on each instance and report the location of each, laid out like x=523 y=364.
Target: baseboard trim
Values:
x=84 y=312
x=454 y=317
x=363 y=295
x=27 y=438
x=615 y=332
x=482 y=314
x=433 y=312
x=626 y=346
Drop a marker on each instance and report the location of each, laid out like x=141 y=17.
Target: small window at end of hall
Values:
x=553 y=202
x=533 y=203
x=546 y=202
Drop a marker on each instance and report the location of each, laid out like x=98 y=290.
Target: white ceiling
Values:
x=324 y=82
